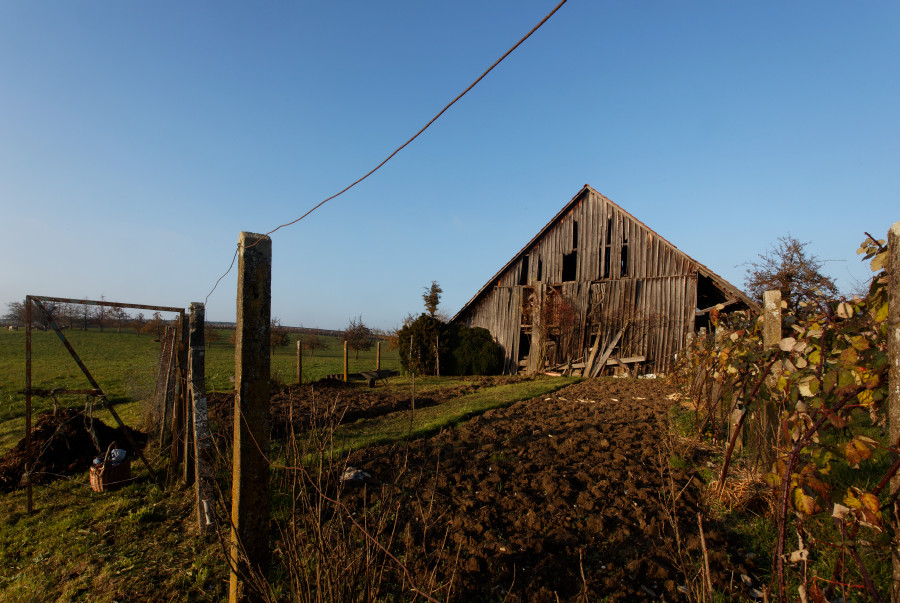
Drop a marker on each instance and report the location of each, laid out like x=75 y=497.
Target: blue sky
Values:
x=138 y=139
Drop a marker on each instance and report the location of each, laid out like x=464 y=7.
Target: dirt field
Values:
x=540 y=492
x=555 y=498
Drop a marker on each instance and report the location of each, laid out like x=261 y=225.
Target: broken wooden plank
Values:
x=629 y=360
x=720 y=306
x=608 y=351
x=589 y=365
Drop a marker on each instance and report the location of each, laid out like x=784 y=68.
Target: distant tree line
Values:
x=88 y=316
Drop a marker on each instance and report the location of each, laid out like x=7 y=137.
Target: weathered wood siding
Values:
x=613 y=269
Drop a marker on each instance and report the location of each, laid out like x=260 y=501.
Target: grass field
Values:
x=125 y=366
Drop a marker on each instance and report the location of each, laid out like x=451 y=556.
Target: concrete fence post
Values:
x=771 y=318
x=893 y=336
x=250 y=484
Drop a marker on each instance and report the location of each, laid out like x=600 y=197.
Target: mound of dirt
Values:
x=64 y=443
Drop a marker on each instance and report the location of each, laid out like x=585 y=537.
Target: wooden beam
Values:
x=724 y=304
x=629 y=360
x=590 y=361
x=606 y=353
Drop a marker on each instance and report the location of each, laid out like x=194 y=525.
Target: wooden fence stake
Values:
x=346 y=360
x=187 y=406
x=893 y=336
x=299 y=361
x=250 y=484
x=771 y=318
x=377 y=355
x=28 y=465
x=203 y=471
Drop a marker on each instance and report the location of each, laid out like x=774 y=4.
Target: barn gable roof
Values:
x=732 y=292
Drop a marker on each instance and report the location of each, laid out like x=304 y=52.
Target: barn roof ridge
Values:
x=587 y=189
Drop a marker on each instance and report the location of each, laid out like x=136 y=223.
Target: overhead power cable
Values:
x=416 y=135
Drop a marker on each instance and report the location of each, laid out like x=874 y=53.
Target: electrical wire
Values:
x=405 y=144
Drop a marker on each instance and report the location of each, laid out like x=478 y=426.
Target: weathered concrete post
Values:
x=204 y=477
x=346 y=362
x=377 y=355
x=771 y=318
x=250 y=484
x=299 y=361
x=893 y=336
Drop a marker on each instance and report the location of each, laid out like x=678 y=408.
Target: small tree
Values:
x=119 y=318
x=313 y=342
x=278 y=335
x=421 y=343
x=432 y=298
x=139 y=322
x=156 y=326
x=358 y=336
x=788 y=268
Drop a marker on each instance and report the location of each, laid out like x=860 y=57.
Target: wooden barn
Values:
x=597 y=288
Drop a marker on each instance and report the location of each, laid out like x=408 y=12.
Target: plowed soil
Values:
x=563 y=496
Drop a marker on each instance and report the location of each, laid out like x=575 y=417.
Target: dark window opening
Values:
x=624 y=258
x=607 y=249
x=523 y=275
x=527 y=304
x=540 y=274
x=569 y=266
x=524 y=345
x=707 y=293
x=575 y=235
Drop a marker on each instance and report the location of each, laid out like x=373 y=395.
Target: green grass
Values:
x=125 y=366
x=114 y=546
x=430 y=419
x=220 y=361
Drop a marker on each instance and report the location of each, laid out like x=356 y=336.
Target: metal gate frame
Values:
x=38 y=301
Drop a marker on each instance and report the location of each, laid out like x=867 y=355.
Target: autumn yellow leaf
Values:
x=849 y=357
x=857 y=451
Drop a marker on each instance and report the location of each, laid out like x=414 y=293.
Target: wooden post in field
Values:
x=346 y=361
x=179 y=441
x=187 y=404
x=771 y=318
x=299 y=361
x=377 y=355
x=250 y=484
x=893 y=335
x=28 y=494
x=204 y=479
